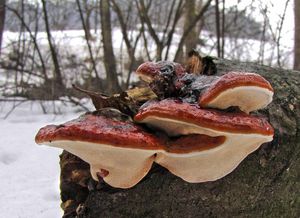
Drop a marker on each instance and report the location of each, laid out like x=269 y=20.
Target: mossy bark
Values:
x=265 y=184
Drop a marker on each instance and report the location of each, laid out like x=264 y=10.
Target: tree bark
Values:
x=265 y=184
x=193 y=36
x=297 y=35
x=2 y=20
x=187 y=30
x=109 y=57
x=88 y=11
x=143 y=13
x=190 y=14
x=87 y=34
x=218 y=27
x=130 y=45
x=57 y=83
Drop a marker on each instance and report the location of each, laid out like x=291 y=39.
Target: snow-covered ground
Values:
x=30 y=173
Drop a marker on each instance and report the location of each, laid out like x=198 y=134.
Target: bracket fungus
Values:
x=185 y=129
x=117 y=148
x=118 y=151
x=243 y=134
x=248 y=91
x=148 y=70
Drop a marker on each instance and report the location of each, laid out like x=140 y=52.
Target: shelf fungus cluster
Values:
x=198 y=127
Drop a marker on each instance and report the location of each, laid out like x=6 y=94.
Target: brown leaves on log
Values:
x=198 y=65
x=141 y=94
x=127 y=102
x=194 y=63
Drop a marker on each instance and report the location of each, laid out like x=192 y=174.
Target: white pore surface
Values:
x=206 y=165
x=247 y=98
x=126 y=166
x=29 y=173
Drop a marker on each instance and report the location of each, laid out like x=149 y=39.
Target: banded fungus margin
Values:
x=198 y=144
x=243 y=134
x=117 y=150
x=248 y=91
x=149 y=70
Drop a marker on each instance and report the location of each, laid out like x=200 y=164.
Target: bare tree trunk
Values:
x=96 y=16
x=169 y=26
x=87 y=25
x=188 y=29
x=2 y=19
x=297 y=35
x=193 y=36
x=265 y=184
x=280 y=25
x=178 y=12
x=33 y=38
x=190 y=14
x=109 y=57
x=58 y=86
x=143 y=13
x=217 y=11
x=87 y=35
x=223 y=29
x=130 y=47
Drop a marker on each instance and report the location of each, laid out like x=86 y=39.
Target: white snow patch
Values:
x=29 y=173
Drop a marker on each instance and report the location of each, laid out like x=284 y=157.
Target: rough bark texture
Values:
x=265 y=184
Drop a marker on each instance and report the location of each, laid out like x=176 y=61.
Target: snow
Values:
x=30 y=173
x=239 y=49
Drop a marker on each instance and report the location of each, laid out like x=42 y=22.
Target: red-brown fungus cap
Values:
x=248 y=99
x=147 y=71
x=117 y=150
x=99 y=129
x=102 y=130
x=238 y=134
x=207 y=118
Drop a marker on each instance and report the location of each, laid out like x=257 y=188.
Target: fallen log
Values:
x=266 y=183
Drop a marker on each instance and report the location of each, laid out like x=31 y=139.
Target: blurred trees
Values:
x=130 y=42
x=100 y=43
x=87 y=33
x=57 y=83
x=108 y=52
x=161 y=28
x=2 y=19
x=189 y=28
x=190 y=13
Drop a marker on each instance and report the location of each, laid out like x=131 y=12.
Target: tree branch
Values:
x=188 y=29
x=58 y=76
x=33 y=38
x=87 y=35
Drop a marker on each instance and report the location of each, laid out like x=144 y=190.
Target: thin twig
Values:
x=13 y=108
x=87 y=39
x=279 y=33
